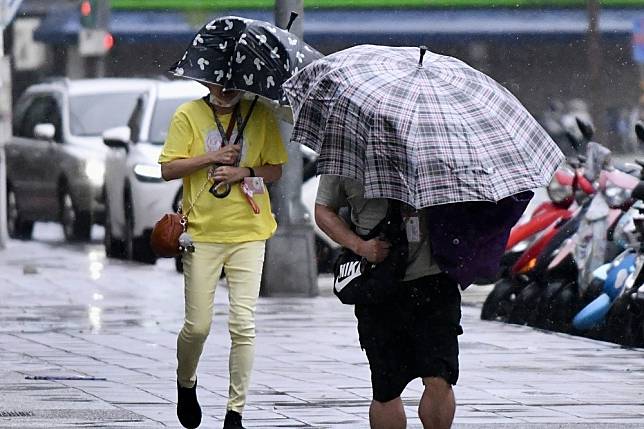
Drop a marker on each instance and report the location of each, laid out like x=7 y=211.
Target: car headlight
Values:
x=95 y=171
x=616 y=196
x=558 y=192
x=148 y=172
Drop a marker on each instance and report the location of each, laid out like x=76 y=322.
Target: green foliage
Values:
x=362 y=4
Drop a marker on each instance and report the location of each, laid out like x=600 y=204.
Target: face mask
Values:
x=225 y=102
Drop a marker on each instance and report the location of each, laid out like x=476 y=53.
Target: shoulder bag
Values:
x=357 y=281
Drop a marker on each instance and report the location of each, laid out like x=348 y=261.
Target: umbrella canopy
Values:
x=245 y=54
x=424 y=132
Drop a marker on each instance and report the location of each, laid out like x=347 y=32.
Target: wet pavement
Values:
x=90 y=342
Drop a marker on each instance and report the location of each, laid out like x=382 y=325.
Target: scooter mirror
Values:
x=573 y=140
x=639 y=130
x=586 y=128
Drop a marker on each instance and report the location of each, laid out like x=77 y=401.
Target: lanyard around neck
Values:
x=227 y=134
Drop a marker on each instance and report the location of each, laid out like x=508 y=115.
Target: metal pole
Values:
x=287 y=191
x=291 y=267
x=598 y=110
x=104 y=19
x=4 y=133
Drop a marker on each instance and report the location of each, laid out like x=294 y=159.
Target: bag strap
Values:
x=392 y=215
x=231 y=123
x=192 y=204
x=240 y=132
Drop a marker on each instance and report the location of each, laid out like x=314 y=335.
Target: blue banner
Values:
x=638 y=41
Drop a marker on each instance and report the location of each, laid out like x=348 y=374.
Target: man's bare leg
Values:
x=437 y=405
x=387 y=415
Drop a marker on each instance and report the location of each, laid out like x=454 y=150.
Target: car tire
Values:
x=114 y=248
x=77 y=224
x=16 y=225
x=136 y=248
x=498 y=304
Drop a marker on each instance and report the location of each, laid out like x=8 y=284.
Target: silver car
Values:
x=56 y=158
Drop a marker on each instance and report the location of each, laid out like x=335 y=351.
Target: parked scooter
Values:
x=613 y=277
x=625 y=319
x=564 y=292
x=528 y=241
x=562 y=191
x=528 y=297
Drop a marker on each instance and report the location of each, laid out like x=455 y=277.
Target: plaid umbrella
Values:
x=426 y=134
x=245 y=54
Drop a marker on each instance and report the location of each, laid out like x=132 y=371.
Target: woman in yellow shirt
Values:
x=228 y=233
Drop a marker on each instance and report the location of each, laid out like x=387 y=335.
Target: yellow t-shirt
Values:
x=230 y=219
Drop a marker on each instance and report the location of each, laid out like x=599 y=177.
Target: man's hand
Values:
x=230 y=174
x=375 y=250
x=227 y=155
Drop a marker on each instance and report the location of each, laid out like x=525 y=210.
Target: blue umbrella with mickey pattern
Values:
x=245 y=54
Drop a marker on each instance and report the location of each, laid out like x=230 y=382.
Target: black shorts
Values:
x=414 y=335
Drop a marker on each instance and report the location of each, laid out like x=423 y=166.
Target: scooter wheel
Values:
x=625 y=323
x=498 y=303
x=541 y=317
x=525 y=303
x=564 y=307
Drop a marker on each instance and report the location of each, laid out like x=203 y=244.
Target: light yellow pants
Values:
x=242 y=264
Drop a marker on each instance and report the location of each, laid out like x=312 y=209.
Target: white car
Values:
x=326 y=250
x=136 y=196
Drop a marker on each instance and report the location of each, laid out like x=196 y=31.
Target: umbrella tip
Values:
x=423 y=50
x=290 y=20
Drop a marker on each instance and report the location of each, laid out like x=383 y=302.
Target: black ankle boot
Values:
x=233 y=420
x=188 y=409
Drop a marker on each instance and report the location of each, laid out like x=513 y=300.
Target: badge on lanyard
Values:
x=248 y=193
x=412 y=226
x=254 y=184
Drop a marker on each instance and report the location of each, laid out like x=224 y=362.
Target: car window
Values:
x=19 y=113
x=43 y=109
x=163 y=111
x=91 y=114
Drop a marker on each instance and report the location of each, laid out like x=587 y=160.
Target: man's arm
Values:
x=374 y=250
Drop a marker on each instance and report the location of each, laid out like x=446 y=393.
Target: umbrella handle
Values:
x=215 y=190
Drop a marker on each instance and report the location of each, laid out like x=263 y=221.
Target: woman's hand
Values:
x=230 y=175
x=227 y=155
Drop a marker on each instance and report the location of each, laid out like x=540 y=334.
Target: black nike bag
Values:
x=357 y=281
